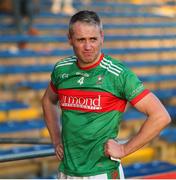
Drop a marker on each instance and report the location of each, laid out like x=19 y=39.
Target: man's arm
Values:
x=157 y=119
x=50 y=109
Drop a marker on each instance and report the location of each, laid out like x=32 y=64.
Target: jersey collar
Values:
x=93 y=65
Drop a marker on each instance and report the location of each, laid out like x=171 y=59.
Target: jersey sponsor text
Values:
x=81 y=102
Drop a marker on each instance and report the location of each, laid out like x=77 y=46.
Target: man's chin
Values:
x=89 y=61
x=86 y=62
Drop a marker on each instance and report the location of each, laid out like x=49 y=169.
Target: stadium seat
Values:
x=12 y=104
x=146 y=154
x=139 y=170
x=45 y=133
x=9 y=127
x=24 y=114
x=3 y=116
x=166 y=144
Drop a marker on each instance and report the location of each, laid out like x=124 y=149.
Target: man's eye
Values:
x=80 y=40
x=93 y=39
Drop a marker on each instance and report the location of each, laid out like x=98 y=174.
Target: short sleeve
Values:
x=54 y=80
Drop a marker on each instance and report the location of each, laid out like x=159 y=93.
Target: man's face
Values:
x=86 y=40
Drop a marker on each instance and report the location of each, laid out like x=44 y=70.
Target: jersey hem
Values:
x=70 y=173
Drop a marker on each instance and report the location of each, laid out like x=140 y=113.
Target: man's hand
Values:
x=113 y=149
x=59 y=151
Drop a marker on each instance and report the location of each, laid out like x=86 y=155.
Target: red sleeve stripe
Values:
x=53 y=87
x=139 y=97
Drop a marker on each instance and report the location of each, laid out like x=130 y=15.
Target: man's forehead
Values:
x=80 y=29
x=85 y=24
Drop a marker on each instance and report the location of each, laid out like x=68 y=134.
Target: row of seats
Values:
x=57 y=26
x=40 y=68
x=16 y=110
x=66 y=52
x=121 y=41
x=51 y=38
x=19 y=126
x=151 y=168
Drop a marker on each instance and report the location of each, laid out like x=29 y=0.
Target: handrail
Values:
x=27 y=155
x=25 y=141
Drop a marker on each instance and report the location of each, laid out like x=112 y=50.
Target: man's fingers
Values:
x=59 y=151
x=106 y=152
x=59 y=156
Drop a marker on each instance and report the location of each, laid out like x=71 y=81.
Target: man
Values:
x=65 y=6
x=92 y=90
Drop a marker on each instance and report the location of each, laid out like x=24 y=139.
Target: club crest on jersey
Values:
x=100 y=79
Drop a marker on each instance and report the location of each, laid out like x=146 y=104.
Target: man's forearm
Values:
x=52 y=121
x=150 y=129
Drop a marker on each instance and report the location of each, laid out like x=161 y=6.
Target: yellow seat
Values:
x=3 y=116
x=165 y=11
x=45 y=133
x=142 y=155
x=137 y=1
x=24 y=114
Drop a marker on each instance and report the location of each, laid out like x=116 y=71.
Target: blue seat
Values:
x=134 y=114
x=165 y=93
x=158 y=77
x=169 y=134
x=15 y=69
x=154 y=63
x=10 y=105
x=143 y=169
x=17 y=126
x=38 y=85
x=29 y=38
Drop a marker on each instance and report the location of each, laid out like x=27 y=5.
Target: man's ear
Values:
x=102 y=36
x=69 y=39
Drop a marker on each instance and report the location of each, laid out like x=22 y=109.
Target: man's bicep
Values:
x=149 y=104
x=51 y=95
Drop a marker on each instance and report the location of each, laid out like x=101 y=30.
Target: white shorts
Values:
x=113 y=174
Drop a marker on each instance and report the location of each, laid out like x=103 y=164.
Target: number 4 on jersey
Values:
x=81 y=80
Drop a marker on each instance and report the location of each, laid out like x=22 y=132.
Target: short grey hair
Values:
x=85 y=16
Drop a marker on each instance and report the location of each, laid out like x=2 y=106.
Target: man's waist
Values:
x=87 y=170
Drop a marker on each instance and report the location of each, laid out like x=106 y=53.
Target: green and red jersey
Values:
x=92 y=100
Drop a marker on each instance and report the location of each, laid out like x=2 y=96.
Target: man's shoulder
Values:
x=113 y=65
x=114 y=61
x=65 y=62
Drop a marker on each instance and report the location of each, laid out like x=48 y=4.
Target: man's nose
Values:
x=87 y=45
